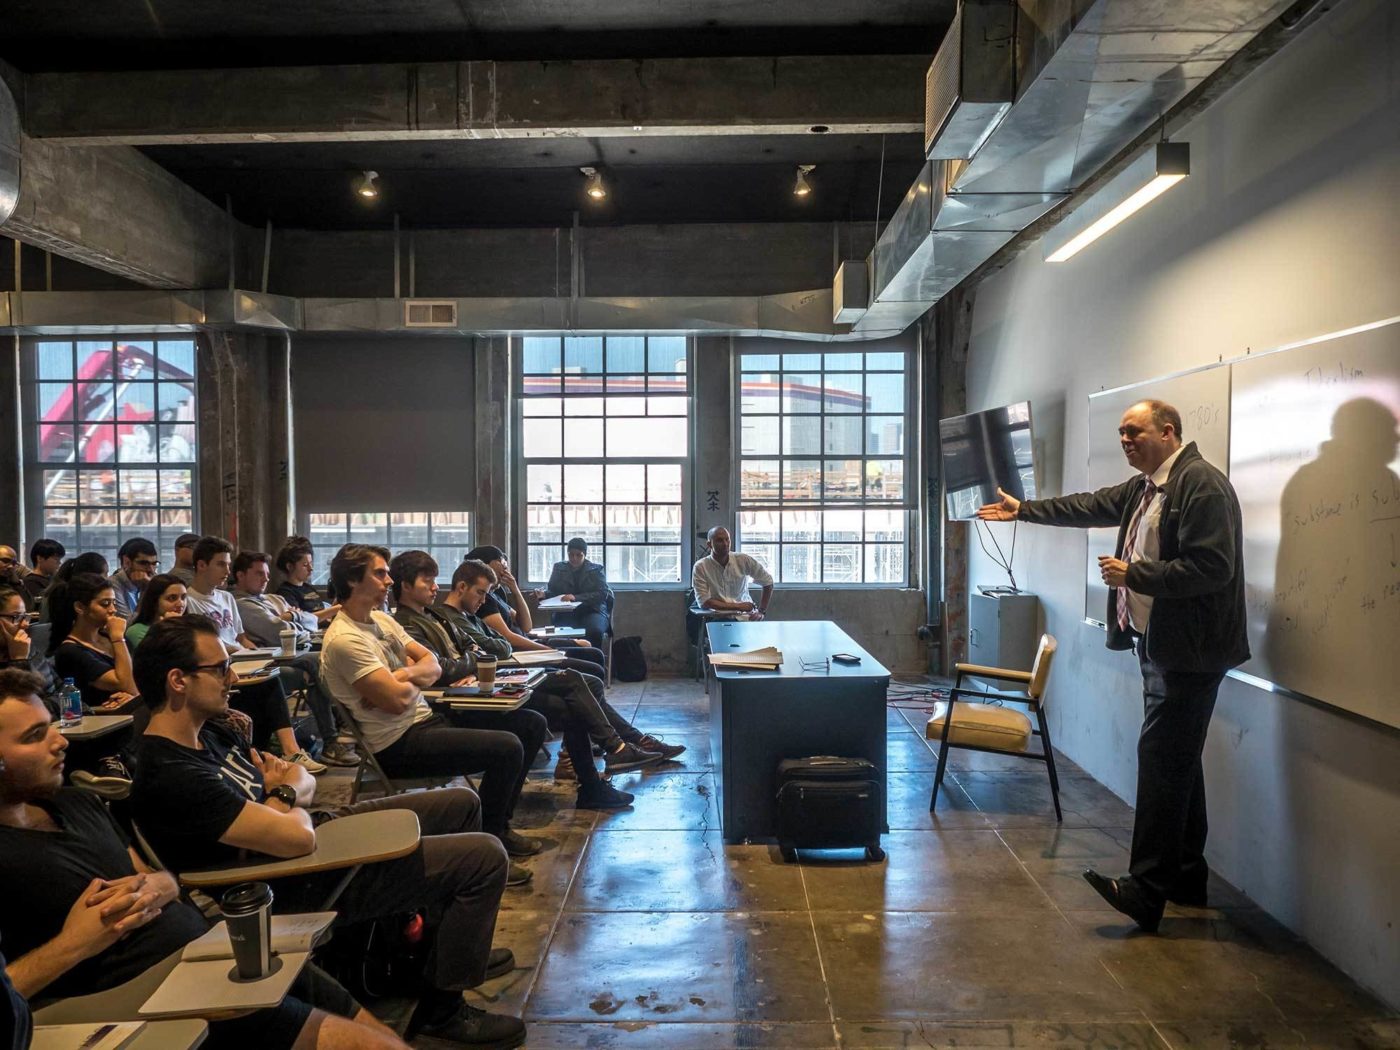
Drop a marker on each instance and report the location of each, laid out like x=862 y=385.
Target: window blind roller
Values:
x=383 y=423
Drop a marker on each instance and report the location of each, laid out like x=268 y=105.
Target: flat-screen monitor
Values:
x=984 y=451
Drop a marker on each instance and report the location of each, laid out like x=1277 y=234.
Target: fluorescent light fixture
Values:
x=1140 y=183
x=802 y=188
x=365 y=187
x=594 y=187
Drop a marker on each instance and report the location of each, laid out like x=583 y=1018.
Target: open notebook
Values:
x=94 y=1036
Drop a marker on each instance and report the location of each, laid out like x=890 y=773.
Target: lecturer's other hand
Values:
x=1003 y=511
x=1113 y=571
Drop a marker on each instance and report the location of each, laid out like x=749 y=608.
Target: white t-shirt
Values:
x=222 y=608
x=728 y=582
x=352 y=650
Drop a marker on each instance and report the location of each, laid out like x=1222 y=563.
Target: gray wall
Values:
x=1287 y=228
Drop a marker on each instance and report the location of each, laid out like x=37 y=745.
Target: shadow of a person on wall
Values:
x=1335 y=613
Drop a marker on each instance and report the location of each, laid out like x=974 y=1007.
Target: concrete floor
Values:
x=641 y=929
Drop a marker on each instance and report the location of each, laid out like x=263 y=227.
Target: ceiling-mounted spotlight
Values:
x=803 y=188
x=365 y=187
x=1137 y=185
x=594 y=187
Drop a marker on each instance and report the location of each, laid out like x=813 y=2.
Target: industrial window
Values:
x=822 y=464
x=604 y=425
x=446 y=535
x=110 y=440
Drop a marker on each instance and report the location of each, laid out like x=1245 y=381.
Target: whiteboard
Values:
x=1203 y=399
x=1313 y=459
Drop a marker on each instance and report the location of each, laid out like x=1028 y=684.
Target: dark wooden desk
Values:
x=758 y=718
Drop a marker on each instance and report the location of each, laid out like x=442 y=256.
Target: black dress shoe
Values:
x=1122 y=896
x=1195 y=897
x=499 y=963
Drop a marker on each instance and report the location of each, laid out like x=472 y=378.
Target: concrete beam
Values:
x=846 y=94
x=120 y=212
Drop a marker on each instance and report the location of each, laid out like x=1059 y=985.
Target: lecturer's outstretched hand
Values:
x=1003 y=511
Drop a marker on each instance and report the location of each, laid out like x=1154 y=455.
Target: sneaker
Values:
x=469 y=1026
x=602 y=796
x=110 y=779
x=517 y=845
x=518 y=875
x=665 y=750
x=564 y=768
x=629 y=756
x=338 y=754
x=301 y=758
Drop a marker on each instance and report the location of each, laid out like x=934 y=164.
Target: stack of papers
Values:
x=534 y=657
x=86 y=1036
x=558 y=603
x=765 y=659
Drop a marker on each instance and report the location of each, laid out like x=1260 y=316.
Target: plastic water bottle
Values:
x=72 y=705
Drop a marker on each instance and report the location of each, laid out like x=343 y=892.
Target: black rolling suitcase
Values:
x=826 y=802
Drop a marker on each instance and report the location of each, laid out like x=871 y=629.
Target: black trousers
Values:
x=1169 y=832
x=443 y=746
x=582 y=696
x=266 y=704
x=456 y=876
x=583 y=658
x=594 y=623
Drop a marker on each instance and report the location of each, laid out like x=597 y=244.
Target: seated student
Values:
x=17 y=649
x=583 y=581
x=84 y=914
x=624 y=745
x=163 y=599
x=45 y=556
x=183 y=569
x=378 y=672
x=295 y=562
x=506 y=612
x=139 y=562
x=265 y=616
x=12 y=573
x=203 y=798
x=88 y=561
x=565 y=696
x=264 y=702
x=88 y=644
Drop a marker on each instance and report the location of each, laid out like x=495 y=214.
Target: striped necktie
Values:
x=1129 y=545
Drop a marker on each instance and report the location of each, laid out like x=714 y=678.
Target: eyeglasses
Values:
x=220 y=669
x=6 y=561
x=19 y=617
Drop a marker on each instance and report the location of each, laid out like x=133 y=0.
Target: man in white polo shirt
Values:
x=721 y=579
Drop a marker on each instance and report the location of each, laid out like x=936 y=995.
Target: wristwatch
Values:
x=283 y=793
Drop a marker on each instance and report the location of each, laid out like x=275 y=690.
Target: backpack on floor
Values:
x=629 y=663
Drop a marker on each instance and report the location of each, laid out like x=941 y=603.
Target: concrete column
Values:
x=245 y=455
x=494 y=443
x=948 y=345
x=714 y=489
x=11 y=461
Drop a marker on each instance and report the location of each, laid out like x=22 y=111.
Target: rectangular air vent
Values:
x=430 y=313
x=850 y=292
x=971 y=83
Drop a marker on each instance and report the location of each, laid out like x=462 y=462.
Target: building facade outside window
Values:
x=110 y=441
x=823 y=464
x=446 y=535
x=604 y=433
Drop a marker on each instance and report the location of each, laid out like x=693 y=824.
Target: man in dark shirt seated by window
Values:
x=81 y=913
x=202 y=799
x=586 y=582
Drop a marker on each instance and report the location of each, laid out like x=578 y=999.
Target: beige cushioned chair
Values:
x=979 y=725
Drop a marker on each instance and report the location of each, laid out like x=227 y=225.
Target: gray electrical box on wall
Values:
x=1003 y=630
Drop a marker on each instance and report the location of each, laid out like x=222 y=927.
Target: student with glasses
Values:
x=139 y=562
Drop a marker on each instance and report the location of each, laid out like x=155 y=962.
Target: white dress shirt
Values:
x=728 y=582
x=1149 y=543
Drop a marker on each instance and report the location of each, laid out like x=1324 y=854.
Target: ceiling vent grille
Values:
x=971 y=83
x=430 y=313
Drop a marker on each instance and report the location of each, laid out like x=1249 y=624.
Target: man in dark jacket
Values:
x=583 y=581
x=1176 y=584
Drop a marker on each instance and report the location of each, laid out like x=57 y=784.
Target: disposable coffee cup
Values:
x=288 y=638
x=486 y=671
x=247 y=909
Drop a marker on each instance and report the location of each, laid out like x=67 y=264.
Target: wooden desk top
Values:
x=362 y=838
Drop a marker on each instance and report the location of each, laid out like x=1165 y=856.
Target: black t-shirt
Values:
x=302 y=596
x=43 y=872
x=85 y=666
x=184 y=800
x=498 y=602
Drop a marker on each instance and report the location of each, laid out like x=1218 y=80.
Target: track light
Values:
x=365 y=187
x=1140 y=183
x=594 y=187
x=803 y=188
